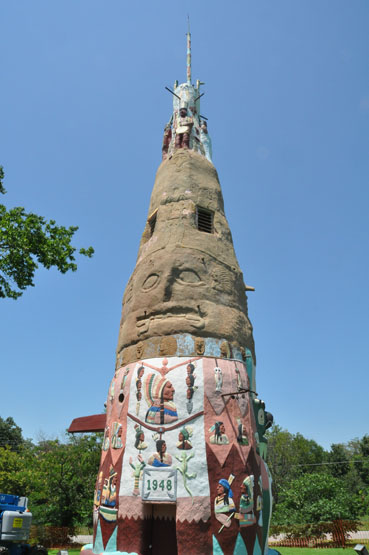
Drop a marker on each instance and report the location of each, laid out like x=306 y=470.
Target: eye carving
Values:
x=189 y=277
x=150 y=282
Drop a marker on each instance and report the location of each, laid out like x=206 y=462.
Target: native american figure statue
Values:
x=183 y=467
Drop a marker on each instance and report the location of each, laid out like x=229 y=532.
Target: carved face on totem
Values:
x=161 y=446
x=168 y=392
x=184 y=291
x=220 y=490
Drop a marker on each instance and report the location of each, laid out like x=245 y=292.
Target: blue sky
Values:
x=83 y=108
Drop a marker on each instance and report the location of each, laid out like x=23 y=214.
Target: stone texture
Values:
x=186 y=280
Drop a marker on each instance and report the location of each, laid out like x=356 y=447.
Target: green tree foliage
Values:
x=291 y=455
x=359 y=448
x=10 y=434
x=13 y=473
x=62 y=486
x=339 y=459
x=28 y=240
x=357 y=478
x=2 y=190
x=317 y=497
x=58 y=478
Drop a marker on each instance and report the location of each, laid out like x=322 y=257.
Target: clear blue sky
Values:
x=83 y=108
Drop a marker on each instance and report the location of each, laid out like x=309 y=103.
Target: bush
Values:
x=338 y=530
x=52 y=536
x=315 y=498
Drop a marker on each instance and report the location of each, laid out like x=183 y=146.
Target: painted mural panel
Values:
x=182 y=432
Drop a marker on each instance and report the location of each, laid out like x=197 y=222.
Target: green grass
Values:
x=314 y=551
x=70 y=551
x=84 y=530
x=364 y=522
x=349 y=550
x=282 y=550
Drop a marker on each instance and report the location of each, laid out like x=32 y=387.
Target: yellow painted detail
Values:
x=18 y=523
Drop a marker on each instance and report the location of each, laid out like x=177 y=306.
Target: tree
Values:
x=357 y=479
x=27 y=240
x=360 y=452
x=291 y=455
x=62 y=484
x=313 y=498
x=310 y=455
x=339 y=460
x=13 y=475
x=58 y=478
x=10 y=434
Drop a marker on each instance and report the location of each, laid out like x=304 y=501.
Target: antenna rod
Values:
x=188 y=52
x=173 y=93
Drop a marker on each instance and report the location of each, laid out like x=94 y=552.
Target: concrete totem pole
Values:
x=183 y=459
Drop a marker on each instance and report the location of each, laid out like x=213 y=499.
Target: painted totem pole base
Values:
x=182 y=468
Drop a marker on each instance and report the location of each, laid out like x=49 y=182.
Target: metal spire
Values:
x=188 y=52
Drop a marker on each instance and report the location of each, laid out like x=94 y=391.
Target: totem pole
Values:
x=183 y=460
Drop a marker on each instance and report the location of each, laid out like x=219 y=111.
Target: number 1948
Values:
x=154 y=485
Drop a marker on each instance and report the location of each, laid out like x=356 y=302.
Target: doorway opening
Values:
x=163 y=529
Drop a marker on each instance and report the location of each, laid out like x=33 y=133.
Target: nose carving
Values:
x=168 y=286
x=161 y=282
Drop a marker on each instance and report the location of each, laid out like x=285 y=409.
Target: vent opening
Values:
x=204 y=220
x=152 y=223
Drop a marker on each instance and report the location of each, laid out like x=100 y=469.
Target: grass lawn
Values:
x=315 y=551
x=282 y=550
x=364 y=522
x=70 y=551
x=349 y=550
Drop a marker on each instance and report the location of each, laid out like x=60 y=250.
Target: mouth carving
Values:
x=195 y=319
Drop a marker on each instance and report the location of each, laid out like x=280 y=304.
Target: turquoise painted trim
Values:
x=268 y=504
x=121 y=553
x=185 y=344
x=212 y=349
x=217 y=550
x=257 y=548
x=111 y=546
x=250 y=369
x=240 y=547
x=98 y=545
x=186 y=348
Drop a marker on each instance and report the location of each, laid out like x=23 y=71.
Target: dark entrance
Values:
x=163 y=529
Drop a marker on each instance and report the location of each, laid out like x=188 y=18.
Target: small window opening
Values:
x=204 y=220
x=152 y=223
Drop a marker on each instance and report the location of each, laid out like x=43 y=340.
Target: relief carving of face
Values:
x=184 y=291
